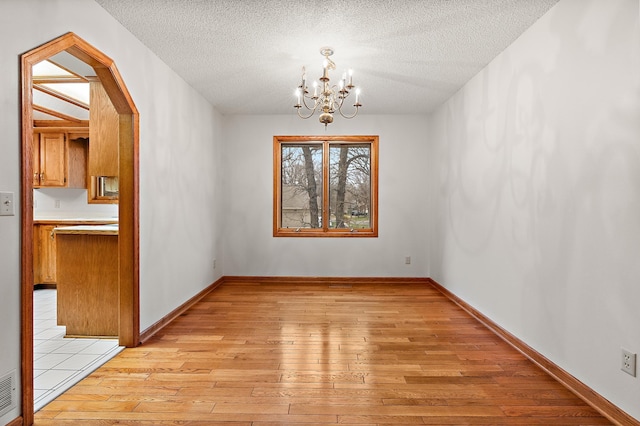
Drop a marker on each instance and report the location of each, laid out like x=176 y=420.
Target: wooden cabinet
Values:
x=45 y=249
x=88 y=284
x=104 y=125
x=44 y=254
x=49 y=159
x=59 y=161
x=103 y=133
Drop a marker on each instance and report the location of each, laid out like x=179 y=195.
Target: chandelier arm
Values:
x=356 y=105
x=313 y=111
x=304 y=102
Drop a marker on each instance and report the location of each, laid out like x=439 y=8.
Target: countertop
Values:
x=52 y=220
x=111 y=229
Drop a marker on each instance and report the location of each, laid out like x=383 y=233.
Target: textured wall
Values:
x=536 y=190
x=250 y=248
x=179 y=138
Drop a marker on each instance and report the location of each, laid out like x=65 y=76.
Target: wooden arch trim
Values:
x=128 y=209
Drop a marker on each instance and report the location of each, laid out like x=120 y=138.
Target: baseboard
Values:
x=160 y=324
x=584 y=392
x=326 y=280
x=18 y=421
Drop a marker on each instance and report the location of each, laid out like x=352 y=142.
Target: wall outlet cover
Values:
x=628 y=362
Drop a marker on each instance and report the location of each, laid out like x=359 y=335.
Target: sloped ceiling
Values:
x=245 y=56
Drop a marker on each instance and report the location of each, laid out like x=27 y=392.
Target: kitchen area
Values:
x=75 y=195
x=74 y=302
x=76 y=252
x=75 y=225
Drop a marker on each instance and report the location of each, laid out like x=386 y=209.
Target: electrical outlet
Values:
x=407 y=260
x=56 y=204
x=214 y=264
x=628 y=362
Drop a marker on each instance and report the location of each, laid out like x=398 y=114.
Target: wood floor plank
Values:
x=269 y=353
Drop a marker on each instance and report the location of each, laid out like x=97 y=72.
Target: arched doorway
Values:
x=128 y=248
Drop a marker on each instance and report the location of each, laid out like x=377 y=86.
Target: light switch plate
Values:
x=6 y=204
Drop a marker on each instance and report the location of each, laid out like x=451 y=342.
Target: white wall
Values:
x=249 y=245
x=69 y=203
x=533 y=204
x=536 y=190
x=179 y=162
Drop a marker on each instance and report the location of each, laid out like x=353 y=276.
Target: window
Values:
x=325 y=186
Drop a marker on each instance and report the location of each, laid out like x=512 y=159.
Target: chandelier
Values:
x=326 y=98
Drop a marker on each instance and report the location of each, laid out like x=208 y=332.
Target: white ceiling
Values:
x=245 y=56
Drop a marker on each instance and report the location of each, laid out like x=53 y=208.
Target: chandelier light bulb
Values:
x=297 y=95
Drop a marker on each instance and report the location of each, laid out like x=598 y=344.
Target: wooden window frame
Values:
x=324 y=231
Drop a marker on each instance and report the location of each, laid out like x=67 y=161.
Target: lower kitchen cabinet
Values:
x=87 y=283
x=44 y=254
x=45 y=248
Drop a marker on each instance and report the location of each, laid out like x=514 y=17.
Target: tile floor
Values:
x=59 y=362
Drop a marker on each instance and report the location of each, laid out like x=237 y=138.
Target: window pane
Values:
x=301 y=191
x=350 y=186
x=325 y=186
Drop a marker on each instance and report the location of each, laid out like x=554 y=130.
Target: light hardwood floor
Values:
x=287 y=353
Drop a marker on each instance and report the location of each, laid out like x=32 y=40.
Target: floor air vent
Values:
x=8 y=398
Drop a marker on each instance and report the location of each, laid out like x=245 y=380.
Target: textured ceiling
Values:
x=245 y=56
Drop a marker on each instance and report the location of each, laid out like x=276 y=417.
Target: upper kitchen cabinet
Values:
x=49 y=159
x=60 y=113
x=59 y=161
x=70 y=105
x=103 y=147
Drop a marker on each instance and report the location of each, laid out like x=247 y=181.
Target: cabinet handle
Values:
x=51 y=234
x=41 y=177
x=35 y=175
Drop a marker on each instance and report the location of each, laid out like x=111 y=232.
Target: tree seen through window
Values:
x=326 y=186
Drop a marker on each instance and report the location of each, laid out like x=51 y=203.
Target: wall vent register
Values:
x=8 y=393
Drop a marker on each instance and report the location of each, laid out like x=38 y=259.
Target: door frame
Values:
x=128 y=205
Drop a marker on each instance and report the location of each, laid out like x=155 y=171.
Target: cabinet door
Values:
x=36 y=160
x=103 y=133
x=37 y=256
x=44 y=255
x=53 y=164
x=76 y=162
